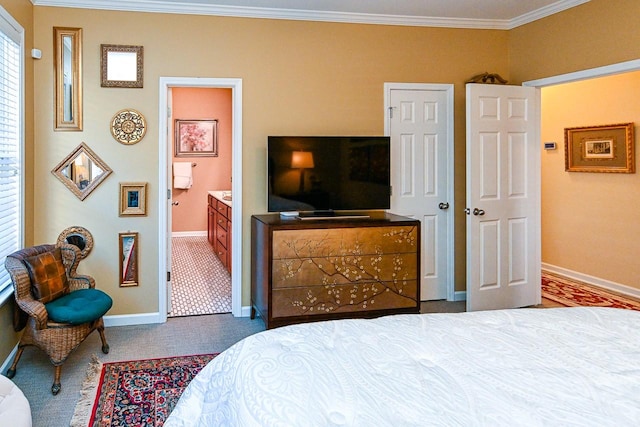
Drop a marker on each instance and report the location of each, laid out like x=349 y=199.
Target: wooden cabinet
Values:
x=219 y=229
x=306 y=270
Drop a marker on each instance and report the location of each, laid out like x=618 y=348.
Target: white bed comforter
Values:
x=525 y=367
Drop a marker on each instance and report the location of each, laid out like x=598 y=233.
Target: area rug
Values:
x=571 y=293
x=136 y=392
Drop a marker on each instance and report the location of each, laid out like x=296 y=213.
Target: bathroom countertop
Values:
x=220 y=195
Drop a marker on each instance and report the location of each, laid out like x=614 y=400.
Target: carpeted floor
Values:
x=136 y=392
x=200 y=284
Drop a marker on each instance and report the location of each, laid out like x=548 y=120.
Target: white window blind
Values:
x=11 y=135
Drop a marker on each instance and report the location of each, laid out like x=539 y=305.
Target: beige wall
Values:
x=597 y=33
x=590 y=220
x=22 y=11
x=210 y=173
x=298 y=78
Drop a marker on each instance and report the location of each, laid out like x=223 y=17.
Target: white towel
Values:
x=182 y=177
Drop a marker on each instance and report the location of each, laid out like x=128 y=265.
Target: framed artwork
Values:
x=128 y=243
x=133 y=198
x=196 y=138
x=606 y=148
x=121 y=66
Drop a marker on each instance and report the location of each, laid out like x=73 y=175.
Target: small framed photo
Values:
x=128 y=259
x=606 y=148
x=133 y=198
x=196 y=138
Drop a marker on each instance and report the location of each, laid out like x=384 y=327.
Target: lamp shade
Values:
x=302 y=160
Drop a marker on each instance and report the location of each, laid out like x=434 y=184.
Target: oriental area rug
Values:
x=136 y=392
x=572 y=293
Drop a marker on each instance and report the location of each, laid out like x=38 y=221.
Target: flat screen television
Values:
x=324 y=174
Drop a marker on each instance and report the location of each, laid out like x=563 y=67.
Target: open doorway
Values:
x=176 y=102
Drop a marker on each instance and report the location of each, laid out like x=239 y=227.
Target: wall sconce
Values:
x=302 y=160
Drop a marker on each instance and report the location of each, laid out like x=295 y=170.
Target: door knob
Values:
x=467 y=211
x=444 y=206
x=175 y=203
x=478 y=212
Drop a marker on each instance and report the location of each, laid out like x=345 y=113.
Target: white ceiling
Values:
x=488 y=14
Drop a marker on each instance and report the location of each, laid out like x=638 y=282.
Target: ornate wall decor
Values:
x=487 y=78
x=78 y=236
x=128 y=126
x=81 y=171
x=121 y=66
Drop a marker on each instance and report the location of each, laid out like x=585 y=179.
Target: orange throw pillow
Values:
x=48 y=276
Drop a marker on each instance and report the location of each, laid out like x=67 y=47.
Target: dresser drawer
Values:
x=221 y=253
x=221 y=235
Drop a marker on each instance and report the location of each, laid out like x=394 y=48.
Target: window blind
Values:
x=10 y=142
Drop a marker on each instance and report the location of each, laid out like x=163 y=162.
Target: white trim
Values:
x=133 y=319
x=189 y=234
x=607 y=70
x=198 y=8
x=236 y=186
x=7 y=362
x=448 y=89
x=459 y=296
x=592 y=280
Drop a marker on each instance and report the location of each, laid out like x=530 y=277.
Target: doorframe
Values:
x=448 y=88
x=164 y=187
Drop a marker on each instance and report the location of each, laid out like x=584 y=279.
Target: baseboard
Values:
x=132 y=319
x=245 y=311
x=591 y=280
x=9 y=359
x=189 y=233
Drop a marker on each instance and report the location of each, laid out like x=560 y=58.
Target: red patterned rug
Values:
x=571 y=293
x=137 y=392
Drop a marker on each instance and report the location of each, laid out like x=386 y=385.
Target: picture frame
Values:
x=605 y=148
x=121 y=66
x=133 y=199
x=128 y=244
x=196 y=138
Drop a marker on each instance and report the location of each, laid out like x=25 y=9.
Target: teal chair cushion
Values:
x=81 y=306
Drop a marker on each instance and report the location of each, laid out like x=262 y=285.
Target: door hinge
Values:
x=168 y=276
x=391 y=112
x=168 y=194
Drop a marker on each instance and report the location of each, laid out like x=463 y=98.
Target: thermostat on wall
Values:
x=549 y=145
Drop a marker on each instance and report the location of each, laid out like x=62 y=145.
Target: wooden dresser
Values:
x=307 y=270
x=219 y=227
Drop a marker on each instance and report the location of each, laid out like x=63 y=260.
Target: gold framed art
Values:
x=133 y=199
x=605 y=148
x=128 y=126
x=128 y=243
x=196 y=138
x=121 y=66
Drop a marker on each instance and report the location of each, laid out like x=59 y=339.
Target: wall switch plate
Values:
x=549 y=145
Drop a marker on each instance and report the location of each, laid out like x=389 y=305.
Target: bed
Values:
x=576 y=366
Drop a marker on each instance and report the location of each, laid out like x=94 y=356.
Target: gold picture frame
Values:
x=133 y=199
x=121 y=66
x=605 y=148
x=128 y=243
x=196 y=138
x=67 y=48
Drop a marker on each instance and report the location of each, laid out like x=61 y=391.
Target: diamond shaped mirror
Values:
x=81 y=171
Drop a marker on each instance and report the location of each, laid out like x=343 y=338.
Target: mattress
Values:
x=576 y=366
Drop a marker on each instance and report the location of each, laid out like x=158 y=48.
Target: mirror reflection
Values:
x=77 y=236
x=81 y=171
x=121 y=66
x=68 y=78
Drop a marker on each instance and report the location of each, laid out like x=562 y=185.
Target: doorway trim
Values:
x=607 y=70
x=448 y=89
x=165 y=189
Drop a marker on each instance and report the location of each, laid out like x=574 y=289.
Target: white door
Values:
x=420 y=124
x=503 y=196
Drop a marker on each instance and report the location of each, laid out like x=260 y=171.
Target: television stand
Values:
x=329 y=215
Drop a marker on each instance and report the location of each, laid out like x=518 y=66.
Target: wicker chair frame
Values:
x=57 y=340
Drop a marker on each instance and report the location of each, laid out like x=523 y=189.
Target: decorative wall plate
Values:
x=128 y=126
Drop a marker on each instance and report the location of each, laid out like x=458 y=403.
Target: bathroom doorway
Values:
x=186 y=254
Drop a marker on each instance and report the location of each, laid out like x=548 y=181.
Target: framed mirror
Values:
x=121 y=66
x=77 y=236
x=81 y=171
x=68 y=78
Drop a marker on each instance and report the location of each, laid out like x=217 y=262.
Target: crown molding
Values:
x=189 y=8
